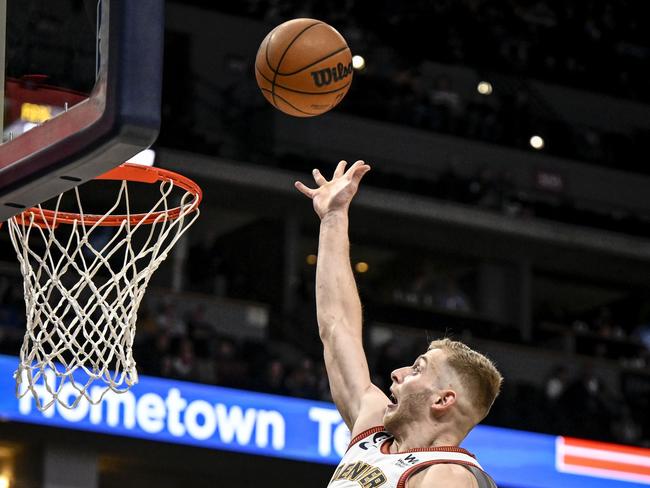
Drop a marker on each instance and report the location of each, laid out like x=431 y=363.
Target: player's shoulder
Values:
x=443 y=475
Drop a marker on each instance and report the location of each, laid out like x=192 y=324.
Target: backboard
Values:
x=80 y=85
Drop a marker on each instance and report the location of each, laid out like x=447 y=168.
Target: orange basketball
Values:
x=304 y=67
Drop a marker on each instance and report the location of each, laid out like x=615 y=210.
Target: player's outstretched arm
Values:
x=360 y=403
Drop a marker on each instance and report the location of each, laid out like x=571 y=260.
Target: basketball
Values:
x=304 y=67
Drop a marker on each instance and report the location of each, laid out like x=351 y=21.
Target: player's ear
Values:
x=442 y=400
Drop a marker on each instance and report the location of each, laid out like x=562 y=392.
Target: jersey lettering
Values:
x=366 y=475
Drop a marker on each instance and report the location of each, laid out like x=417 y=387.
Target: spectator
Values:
x=605 y=326
x=625 y=428
x=170 y=320
x=273 y=378
x=556 y=385
x=156 y=360
x=445 y=104
x=183 y=364
x=301 y=381
x=231 y=370
x=590 y=405
x=200 y=331
x=452 y=298
x=147 y=327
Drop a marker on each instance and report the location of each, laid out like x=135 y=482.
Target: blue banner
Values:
x=234 y=420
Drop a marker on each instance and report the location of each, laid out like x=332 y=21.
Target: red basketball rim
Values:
x=125 y=172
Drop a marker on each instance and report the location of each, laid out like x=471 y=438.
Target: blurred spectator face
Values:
x=452 y=298
x=307 y=365
x=187 y=350
x=556 y=384
x=276 y=369
x=198 y=314
x=225 y=349
x=302 y=380
x=593 y=385
x=162 y=342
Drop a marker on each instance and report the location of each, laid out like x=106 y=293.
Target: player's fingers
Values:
x=359 y=172
x=340 y=169
x=304 y=190
x=318 y=177
x=354 y=167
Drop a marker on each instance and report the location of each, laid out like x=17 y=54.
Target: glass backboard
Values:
x=81 y=86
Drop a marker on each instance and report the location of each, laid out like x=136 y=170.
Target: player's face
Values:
x=413 y=389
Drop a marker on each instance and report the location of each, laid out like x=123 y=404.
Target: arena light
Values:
x=484 y=87
x=358 y=62
x=4 y=481
x=311 y=259
x=361 y=267
x=537 y=142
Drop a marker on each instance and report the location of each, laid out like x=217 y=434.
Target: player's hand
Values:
x=336 y=194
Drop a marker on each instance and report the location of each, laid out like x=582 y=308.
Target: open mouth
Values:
x=393 y=401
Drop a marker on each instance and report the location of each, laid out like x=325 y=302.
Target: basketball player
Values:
x=411 y=440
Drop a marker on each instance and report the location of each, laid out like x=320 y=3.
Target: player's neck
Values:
x=415 y=436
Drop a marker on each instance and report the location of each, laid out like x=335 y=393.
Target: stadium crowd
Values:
x=570 y=402
x=497 y=192
x=597 y=46
x=394 y=89
x=190 y=346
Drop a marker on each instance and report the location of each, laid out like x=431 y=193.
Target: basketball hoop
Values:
x=83 y=289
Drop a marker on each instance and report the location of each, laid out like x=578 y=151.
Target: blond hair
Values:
x=477 y=373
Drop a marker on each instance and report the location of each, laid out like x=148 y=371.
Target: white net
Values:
x=83 y=287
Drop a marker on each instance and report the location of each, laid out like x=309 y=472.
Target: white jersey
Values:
x=368 y=463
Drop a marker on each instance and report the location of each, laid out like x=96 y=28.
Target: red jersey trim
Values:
x=364 y=434
x=419 y=467
x=385 y=446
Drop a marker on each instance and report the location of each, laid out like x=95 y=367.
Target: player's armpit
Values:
x=443 y=476
x=371 y=410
